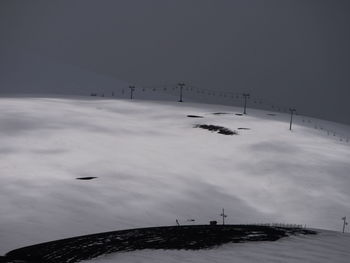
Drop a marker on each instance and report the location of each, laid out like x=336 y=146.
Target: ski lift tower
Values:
x=245 y=96
x=132 y=89
x=181 y=85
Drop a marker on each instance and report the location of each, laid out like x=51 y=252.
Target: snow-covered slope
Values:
x=153 y=167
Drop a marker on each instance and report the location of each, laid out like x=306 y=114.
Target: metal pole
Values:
x=223 y=216
x=291 y=117
x=344 y=223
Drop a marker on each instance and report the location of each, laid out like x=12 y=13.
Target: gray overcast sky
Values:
x=294 y=52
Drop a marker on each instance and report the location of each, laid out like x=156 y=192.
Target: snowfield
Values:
x=153 y=167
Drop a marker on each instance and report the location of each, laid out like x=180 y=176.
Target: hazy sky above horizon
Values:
x=294 y=52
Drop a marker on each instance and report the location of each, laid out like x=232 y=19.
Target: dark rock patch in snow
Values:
x=194 y=116
x=215 y=128
x=86 y=178
x=220 y=113
x=243 y=128
x=174 y=237
x=239 y=114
